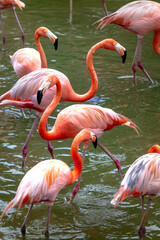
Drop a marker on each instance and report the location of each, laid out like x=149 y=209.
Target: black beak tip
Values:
x=124 y=56
x=95 y=143
x=56 y=44
x=39 y=96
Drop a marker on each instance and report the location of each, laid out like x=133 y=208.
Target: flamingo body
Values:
x=24 y=92
x=139 y=17
x=74 y=118
x=141 y=179
x=25 y=60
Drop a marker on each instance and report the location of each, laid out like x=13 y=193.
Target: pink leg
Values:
x=142 y=229
x=48 y=222
x=49 y=146
x=134 y=68
x=105 y=8
x=70 y=14
x=139 y=64
x=22 y=33
x=116 y=161
x=23 y=228
x=24 y=149
x=4 y=38
x=76 y=188
x=23 y=113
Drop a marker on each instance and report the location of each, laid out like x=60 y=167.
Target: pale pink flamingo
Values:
x=43 y=182
x=4 y=4
x=141 y=179
x=139 y=17
x=26 y=60
x=24 y=93
x=71 y=120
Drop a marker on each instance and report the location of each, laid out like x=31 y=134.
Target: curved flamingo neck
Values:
x=107 y=44
x=76 y=157
x=40 y=50
x=154 y=149
x=156 y=42
x=43 y=121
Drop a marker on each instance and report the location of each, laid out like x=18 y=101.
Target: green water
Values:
x=91 y=216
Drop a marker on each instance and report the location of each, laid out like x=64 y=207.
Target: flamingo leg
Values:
x=105 y=8
x=139 y=64
x=24 y=149
x=23 y=113
x=23 y=228
x=76 y=188
x=142 y=229
x=70 y=14
x=4 y=38
x=48 y=222
x=49 y=146
x=134 y=68
x=22 y=32
x=116 y=161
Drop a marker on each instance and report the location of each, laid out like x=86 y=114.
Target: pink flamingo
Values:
x=141 y=179
x=71 y=120
x=51 y=177
x=4 y=4
x=139 y=17
x=24 y=93
x=26 y=60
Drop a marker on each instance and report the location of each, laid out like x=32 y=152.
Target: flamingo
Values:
x=71 y=120
x=139 y=17
x=43 y=182
x=4 y=4
x=23 y=93
x=141 y=179
x=26 y=60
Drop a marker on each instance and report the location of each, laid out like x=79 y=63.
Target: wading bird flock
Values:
x=41 y=89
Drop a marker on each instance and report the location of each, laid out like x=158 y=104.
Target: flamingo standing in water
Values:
x=71 y=120
x=26 y=60
x=141 y=179
x=24 y=93
x=139 y=17
x=4 y=4
x=43 y=182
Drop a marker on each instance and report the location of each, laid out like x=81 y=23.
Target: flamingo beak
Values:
x=56 y=44
x=95 y=142
x=124 y=56
x=39 y=96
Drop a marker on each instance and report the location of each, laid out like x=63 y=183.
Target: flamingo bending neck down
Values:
x=4 y=4
x=139 y=17
x=74 y=118
x=51 y=176
x=141 y=179
x=26 y=60
x=24 y=93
